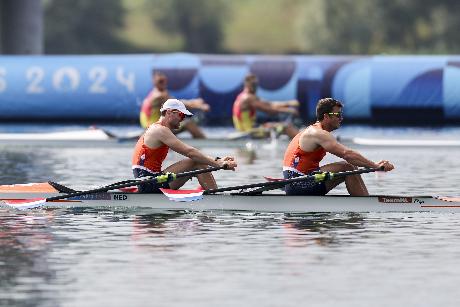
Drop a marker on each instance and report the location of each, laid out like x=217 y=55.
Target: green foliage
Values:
x=141 y=33
x=198 y=22
x=83 y=26
x=252 y=26
x=382 y=26
x=273 y=26
x=426 y=26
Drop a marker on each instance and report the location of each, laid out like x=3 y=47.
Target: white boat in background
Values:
x=96 y=137
x=400 y=142
x=84 y=137
x=234 y=202
x=72 y=135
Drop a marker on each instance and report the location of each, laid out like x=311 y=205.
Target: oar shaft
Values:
x=132 y=183
x=291 y=180
x=358 y=171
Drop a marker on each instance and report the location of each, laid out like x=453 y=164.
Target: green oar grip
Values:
x=167 y=177
x=319 y=177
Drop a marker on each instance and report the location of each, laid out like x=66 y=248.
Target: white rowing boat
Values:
x=80 y=138
x=96 y=137
x=400 y=142
x=103 y=138
x=235 y=202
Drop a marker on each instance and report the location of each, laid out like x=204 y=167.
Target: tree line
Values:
x=259 y=26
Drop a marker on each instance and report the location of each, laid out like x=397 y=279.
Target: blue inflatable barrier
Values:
x=412 y=89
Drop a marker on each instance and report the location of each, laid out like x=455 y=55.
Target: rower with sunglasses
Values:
x=309 y=147
x=153 y=146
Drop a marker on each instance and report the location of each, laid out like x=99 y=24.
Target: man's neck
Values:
x=324 y=126
x=162 y=121
x=248 y=91
x=162 y=91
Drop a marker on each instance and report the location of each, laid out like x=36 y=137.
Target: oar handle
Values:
x=358 y=171
x=320 y=177
x=164 y=178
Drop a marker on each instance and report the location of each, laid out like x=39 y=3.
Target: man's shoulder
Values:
x=246 y=95
x=243 y=99
x=156 y=130
x=149 y=96
x=156 y=94
x=313 y=131
x=158 y=133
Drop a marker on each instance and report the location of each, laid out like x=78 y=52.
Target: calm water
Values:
x=141 y=257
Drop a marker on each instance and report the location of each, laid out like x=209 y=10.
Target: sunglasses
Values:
x=182 y=115
x=337 y=114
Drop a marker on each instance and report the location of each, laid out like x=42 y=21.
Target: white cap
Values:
x=174 y=104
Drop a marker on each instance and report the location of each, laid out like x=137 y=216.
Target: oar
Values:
x=318 y=177
x=37 y=202
x=192 y=195
x=120 y=137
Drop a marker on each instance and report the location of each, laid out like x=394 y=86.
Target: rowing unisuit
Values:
x=299 y=161
x=149 y=159
x=148 y=162
x=150 y=110
x=243 y=120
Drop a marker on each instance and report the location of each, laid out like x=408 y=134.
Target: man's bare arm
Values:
x=165 y=136
x=283 y=108
x=197 y=103
x=330 y=144
x=272 y=108
x=289 y=103
x=263 y=106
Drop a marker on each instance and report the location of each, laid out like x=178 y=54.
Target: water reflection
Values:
x=324 y=228
x=48 y=256
x=26 y=165
x=324 y=222
x=156 y=220
x=25 y=243
x=297 y=229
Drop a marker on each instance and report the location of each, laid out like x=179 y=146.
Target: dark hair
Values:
x=158 y=73
x=250 y=78
x=326 y=105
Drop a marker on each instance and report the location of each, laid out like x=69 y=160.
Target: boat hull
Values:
x=259 y=203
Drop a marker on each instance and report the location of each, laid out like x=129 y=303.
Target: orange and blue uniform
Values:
x=298 y=162
x=148 y=161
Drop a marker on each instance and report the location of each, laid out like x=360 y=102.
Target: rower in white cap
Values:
x=153 y=146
